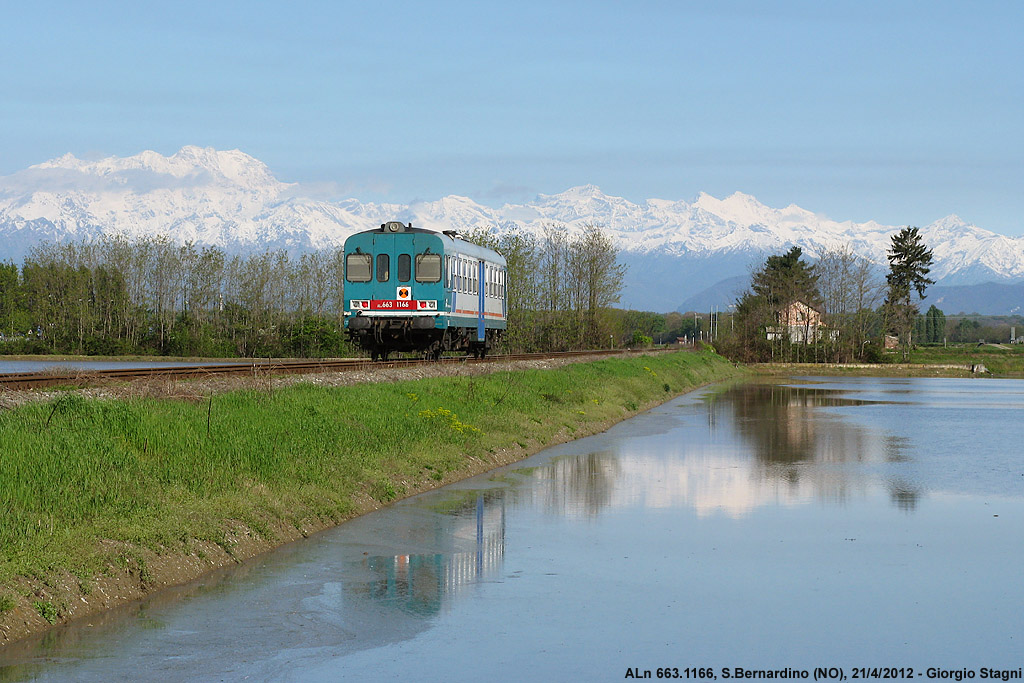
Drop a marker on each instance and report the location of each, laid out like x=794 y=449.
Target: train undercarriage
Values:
x=383 y=336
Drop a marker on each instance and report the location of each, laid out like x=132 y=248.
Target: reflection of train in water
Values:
x=422 y=583
x=409 y=289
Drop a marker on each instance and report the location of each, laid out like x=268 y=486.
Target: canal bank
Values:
x=852 y=515
x=113 y=499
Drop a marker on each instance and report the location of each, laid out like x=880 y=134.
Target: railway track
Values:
x=83 y=378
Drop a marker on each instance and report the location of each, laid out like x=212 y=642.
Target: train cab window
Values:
x=358 y=268
x=383 y=266
x=405 y=267
x=428 y=267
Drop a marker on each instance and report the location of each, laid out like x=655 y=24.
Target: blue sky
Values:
x=902 y=112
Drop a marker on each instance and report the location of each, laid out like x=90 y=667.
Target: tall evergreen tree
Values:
x=781 y=281
x=935 y=325
x=909 y=263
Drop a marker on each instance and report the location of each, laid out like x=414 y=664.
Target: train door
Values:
x=481 y=302
x=384 y=267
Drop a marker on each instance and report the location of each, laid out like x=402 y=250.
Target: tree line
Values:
x=118 y=296
x=858 y=307
x=562 y=287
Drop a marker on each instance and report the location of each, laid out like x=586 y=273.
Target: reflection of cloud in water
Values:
x=764 y=445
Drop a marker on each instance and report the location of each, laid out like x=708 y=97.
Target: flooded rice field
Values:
x=809 y=523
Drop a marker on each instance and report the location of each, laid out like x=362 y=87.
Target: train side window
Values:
x=404 y=267
x=358 y=268
x=428 y=267
x=383 y=266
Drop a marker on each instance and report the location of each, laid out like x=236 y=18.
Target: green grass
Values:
x=155 y=474
x=1003 y=359
x=47 y=610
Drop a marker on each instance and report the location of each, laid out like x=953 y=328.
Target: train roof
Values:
x=452 y=242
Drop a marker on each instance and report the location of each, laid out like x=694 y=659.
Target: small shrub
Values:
x=384 y=491
x=46 y=610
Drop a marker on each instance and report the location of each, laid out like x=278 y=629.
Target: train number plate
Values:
x=402 y=305
x=392 y=305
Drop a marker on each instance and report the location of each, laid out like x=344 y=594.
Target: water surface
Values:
x=812 y=522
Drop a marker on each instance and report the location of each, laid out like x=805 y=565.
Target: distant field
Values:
x=1000 y=359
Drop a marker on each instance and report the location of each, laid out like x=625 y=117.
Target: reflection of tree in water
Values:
x=903 y=495
x=579 y=485
x=793 y=442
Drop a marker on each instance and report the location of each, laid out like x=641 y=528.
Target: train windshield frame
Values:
x=358 y=268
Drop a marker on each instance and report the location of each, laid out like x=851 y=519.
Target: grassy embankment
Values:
x=91 y=486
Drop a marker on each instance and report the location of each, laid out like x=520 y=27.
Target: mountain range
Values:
x=680 y=255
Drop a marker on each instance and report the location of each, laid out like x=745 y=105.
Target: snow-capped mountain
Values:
x=674 y=248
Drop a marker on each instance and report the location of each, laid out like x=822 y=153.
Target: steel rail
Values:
x=260 y=367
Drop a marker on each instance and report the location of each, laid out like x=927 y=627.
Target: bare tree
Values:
x=851 y=288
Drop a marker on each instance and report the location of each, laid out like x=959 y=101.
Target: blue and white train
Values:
x=409 y=289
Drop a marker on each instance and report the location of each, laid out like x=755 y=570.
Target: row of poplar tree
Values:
x=562 y=287
x=120 y=296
